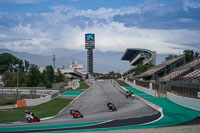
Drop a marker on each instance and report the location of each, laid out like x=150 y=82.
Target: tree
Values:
x=50 y=73
x=23 y=79
x=44 y=77
x=10 y=79
x=189 y=55
x=170 y=56
x=59 y=77
x=34 y=76
x=142 y=68
x=7 y=62
x=196 y=55
x=27 y=65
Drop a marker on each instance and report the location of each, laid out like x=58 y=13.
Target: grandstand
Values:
x=138 y=56
x=194 y=74
x=173 y=76
x=183 y=72
x=162 y=69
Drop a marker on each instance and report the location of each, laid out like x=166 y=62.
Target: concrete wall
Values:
x=38 y=101
x=145 y=90
x=184 y=101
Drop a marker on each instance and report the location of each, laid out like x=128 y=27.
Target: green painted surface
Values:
x=3 y=129
x=173 y=114
x=137 y=92
x=72 y=93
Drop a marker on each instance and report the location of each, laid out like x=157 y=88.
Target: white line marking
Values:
x=46 y=118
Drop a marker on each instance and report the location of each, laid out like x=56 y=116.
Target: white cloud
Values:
x=105 y=13
x=190 y=4
x=56 y=30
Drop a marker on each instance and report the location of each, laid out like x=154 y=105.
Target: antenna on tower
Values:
x=54 y=60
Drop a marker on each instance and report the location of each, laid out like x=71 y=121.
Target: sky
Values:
x=42 y=26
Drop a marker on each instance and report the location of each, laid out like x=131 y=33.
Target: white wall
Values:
x=27 y=91
x=74 y=84
x=184 y=101
x=38 y=101
x=145 y=90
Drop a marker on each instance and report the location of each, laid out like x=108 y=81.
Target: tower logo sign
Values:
x=89 y=38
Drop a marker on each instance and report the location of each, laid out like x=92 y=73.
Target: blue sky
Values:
x=165 y=26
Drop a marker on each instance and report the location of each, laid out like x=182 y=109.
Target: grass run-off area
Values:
x=122 y=83
x=83 y=86
x=48 y=109
x=7 y=101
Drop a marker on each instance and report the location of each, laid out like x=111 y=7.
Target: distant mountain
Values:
x=103 y=61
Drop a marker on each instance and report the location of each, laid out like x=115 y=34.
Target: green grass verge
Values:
x=48 y=109
x=122 y=83
x=7 y=101
x=83 y=86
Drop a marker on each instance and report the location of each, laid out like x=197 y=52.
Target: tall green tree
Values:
x=10 y=79
x=59 y=77
x=189 y=55
x=50 y=73
x=196 y=55
x=44 y=77
x=26 y=65
x=7 y=62
x=34 y=76
x=20 y=65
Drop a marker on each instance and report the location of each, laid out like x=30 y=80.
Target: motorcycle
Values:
x=111 y=107
x=133 y=96
x=130 y=94
x=32 y=118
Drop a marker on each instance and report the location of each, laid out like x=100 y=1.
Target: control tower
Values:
x=90 y=45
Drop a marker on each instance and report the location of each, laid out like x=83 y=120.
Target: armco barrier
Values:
x=184 y=101
x=37 y=101
x=145 y=90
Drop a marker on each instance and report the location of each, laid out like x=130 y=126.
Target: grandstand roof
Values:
x=138 y=55
x=132 y=52
x=157 y=68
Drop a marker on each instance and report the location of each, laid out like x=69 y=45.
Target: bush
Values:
x=48 y=85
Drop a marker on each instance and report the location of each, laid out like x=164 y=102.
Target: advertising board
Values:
x=89 y=41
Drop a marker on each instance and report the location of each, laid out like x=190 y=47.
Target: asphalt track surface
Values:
x=92 y=104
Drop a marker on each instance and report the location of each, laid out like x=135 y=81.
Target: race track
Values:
x=92 y=104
